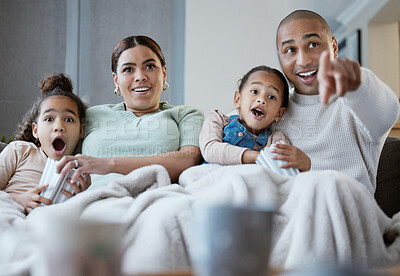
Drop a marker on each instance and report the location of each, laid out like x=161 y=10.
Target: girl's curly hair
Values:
x=53 y=85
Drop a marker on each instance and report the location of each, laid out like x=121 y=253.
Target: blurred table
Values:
x=389 y=271
x=273 y=272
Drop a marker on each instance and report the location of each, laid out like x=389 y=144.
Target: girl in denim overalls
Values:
x=262 y=99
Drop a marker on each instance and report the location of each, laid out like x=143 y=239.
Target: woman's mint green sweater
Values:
x=111 y=131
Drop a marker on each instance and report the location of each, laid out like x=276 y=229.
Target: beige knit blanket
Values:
x=320 y=217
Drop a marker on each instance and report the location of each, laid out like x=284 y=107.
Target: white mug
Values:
x=231 y=240
x=79 y=247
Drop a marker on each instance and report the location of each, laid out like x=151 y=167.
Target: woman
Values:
x=141 y=130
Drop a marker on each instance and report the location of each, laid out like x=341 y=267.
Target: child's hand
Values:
x=31 y=199
x=84 y=183
x=294 y=157
x=249 y=156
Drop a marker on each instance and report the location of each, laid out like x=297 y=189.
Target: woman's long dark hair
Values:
x=132 y=42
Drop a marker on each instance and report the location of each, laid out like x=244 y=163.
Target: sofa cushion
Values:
x=2 y=146
x=387 y=192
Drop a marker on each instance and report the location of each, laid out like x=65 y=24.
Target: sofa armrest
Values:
x=2 y=146
x=387 y=192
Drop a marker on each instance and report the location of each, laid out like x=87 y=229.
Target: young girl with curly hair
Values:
x=52 y=128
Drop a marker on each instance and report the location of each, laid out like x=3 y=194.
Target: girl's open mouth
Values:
x=257 y=113
x=59 y=146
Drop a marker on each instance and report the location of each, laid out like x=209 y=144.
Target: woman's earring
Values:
x=165 y=86
x=117 y=92
x=37 y=139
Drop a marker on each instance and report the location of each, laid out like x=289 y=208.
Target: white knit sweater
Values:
x=348 y=134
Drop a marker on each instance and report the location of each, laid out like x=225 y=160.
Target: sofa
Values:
x=2 y=146
x=387 y=192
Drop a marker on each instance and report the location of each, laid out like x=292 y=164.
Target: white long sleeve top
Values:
x=348 y=134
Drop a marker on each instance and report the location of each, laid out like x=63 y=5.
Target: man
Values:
x=339 y=114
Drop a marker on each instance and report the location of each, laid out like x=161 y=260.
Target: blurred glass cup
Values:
x=231 y=240
x=79 y=247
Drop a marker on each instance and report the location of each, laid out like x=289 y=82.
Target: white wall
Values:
x=226 y=38
x=384 y=39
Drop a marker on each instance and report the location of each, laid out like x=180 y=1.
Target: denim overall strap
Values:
x=236 y=134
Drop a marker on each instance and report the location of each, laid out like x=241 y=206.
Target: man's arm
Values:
x=337 y=76
x=372 y=101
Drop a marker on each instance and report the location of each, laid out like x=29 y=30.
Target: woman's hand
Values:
x=84 y=165
x=294 y=157
x=83 y=184
x=175 y=162
x=31 y=198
